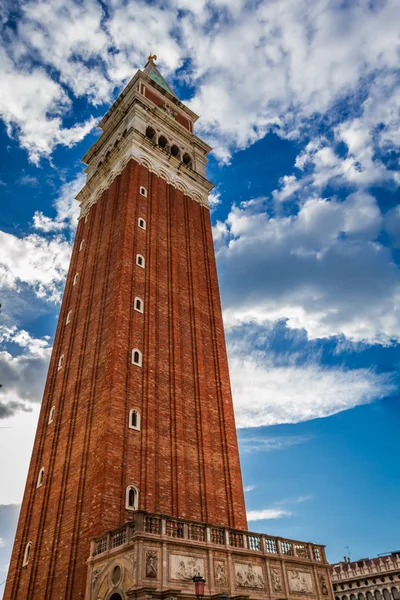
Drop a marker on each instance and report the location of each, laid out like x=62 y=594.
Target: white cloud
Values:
x=267 y=514
x=323 y=269
x=265 y=394
x=258 y=443
x=67 y=208
x=22 y=374
x=292 y=61
x=36 y=262
x=2 y=542
x=249 y=488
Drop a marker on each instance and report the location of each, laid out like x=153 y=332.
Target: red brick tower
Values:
x=137 y=410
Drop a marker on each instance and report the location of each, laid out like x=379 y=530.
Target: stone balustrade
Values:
x=361 y=568
x=160 y=526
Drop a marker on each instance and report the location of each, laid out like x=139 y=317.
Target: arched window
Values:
x=352 y=597
x=68 y=317
x=76 y=279
x=143 y=191
x=40 y=478
x=150 y=133
x=51 y=414
x=60 y=361
x=132 y=497
x=138 y=304
x=27 y=554
x=141 y=223
x=140 y=260
x=395 y=593
x=134 y=419
x=187 y=160
x=175 y=150
x=137 y=357
x=162 y=141
x=116 y=597
x=369 y=596
x=386 y=595
x=361 y=596
x=81 y=245
x=378 y=595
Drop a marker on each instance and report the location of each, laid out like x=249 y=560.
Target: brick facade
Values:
x=184 y=460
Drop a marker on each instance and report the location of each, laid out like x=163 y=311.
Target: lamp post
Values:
x=199 y=582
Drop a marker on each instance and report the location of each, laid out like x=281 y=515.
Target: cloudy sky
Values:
x=301 y=102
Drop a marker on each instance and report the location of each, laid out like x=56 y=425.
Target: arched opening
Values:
x=51 y=415
x=137 y=357
x=40 y=477
x=378 y=595
x=132 y=496
x=140 y=260
x=395 y=593
x=187 y=160
x=141 y=223
x=369 y=596
x=138 y=305
x=116 y=596
x=361 y=596
x=150 y=133
x=175 y=150
x=134 y=419
x=386 y=595
x=162 y=141
x=27 y=554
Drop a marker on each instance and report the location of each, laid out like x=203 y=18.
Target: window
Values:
x=134 y=420
x=75 y=279
x=40 y=478
x=86 y=216
x=51 y=414
x=60 y=362
x=138 y=304
x=68 y=317
x=187 y=160
x=137 y=358
x=141 y=223
x=131 y=501
x=81 y=245
x=162 y=141
x=150 y=133
x=27 y=554
x=143 y=191
x=175 y=150
x=140 y=260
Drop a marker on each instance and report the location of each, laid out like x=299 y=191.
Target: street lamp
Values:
x=199 y=582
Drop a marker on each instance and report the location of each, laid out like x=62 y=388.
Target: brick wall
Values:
x=184 y=461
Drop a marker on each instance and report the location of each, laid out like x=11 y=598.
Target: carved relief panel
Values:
x=249 y=575
x=151 y=564
x=300 y=582
x=276 y=578
x=220 y=573
x=184 y=568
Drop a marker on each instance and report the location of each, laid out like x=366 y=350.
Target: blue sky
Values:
x=300 y=101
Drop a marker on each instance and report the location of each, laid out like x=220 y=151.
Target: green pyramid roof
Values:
x=154 y=74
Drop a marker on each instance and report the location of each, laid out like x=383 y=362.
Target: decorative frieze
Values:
x=300 y=582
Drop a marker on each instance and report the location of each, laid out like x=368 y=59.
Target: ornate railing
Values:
x=165 y=527
x=365 y=567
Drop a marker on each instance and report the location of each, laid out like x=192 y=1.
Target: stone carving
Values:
x=151 y=564
x=220 y=577
x=169 y=111
x=300 y=582
x=184 y=568
x=249 y=576
x=95 y=576
x=276 y=579
x=324 y=587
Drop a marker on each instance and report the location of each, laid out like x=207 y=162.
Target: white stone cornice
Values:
x=136 y=146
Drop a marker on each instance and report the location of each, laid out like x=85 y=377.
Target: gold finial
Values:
x=152 y=57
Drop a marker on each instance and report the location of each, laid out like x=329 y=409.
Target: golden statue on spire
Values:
x=152 y=57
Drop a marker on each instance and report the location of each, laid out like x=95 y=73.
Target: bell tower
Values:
x=137 y=410
x=134 y=485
